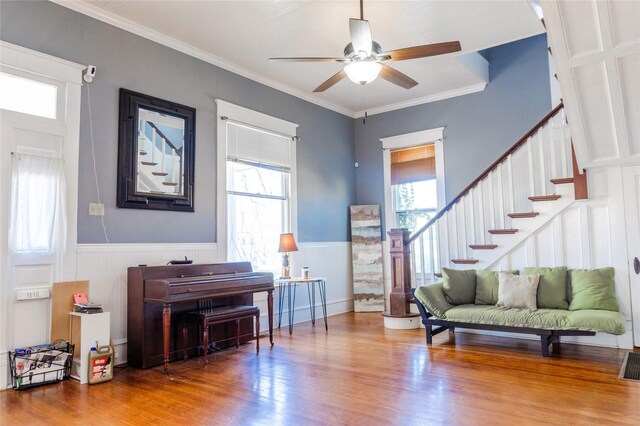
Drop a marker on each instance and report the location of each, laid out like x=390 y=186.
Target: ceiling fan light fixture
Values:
x=362 y=72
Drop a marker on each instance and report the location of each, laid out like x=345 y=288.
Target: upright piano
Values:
x=158 y=295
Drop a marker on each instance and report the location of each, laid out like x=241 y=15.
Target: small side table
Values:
x=84 y=331
x=311 y=282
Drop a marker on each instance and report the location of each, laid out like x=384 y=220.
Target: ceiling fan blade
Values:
x=396 y=77
x=360 y=35
x=422 y=51
x=308 y=59
x=331 y=81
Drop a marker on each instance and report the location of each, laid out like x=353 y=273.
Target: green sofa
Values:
x=440 y=307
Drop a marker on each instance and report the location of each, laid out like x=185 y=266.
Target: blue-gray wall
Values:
x=478 y=127
x=326 y=153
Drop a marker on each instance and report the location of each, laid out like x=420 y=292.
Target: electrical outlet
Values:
x=96 y=209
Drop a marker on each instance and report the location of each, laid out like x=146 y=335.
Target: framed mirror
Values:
x=156 y=152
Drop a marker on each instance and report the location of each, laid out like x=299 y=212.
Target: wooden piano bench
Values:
x=218 y=315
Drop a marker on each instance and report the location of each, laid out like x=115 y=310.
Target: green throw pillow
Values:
x=487 y=287
x=552 y=290
x=593 y=289
x=459 y=286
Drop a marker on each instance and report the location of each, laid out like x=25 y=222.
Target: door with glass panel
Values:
x=39 y=125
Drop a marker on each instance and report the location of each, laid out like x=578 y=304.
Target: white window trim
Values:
x=262 y=121
x=408 y=140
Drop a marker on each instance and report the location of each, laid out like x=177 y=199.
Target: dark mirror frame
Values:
x=130 y=103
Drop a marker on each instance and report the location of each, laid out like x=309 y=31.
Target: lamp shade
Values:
x=287 y=243
x=362 y=72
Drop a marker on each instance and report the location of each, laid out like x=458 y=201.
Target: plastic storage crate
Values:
x=39 y=365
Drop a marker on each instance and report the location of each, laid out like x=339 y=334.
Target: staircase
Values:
x=531 y=183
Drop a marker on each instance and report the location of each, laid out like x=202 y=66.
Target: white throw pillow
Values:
x=517 y=291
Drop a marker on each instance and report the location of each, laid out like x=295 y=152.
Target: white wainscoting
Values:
x=105 y=266
x=588 y=234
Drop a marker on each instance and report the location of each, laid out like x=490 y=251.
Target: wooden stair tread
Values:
x=170 y=183
x=142 y=152
x=465 y=261
x=522 y=215
x=159 y=173
x=544 y=198
x=148 y=163
x=483 y=246
x=438 y=274
x=561 y=181
x=502 y=231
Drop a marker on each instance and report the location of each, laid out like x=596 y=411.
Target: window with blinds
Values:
x=258 y=194
x=413 y=183
x=413 y=164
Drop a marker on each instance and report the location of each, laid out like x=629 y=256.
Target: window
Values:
x=38 y=214
x=28 y=96
x=258 y=205
x=414 y=190
x=258 y=188
x=415 y=203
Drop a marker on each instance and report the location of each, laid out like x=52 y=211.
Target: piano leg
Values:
x=270 y=309
x=166 y=334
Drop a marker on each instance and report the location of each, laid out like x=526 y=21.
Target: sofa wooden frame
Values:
x=435 y=326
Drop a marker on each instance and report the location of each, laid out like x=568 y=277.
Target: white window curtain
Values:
x=38 y=221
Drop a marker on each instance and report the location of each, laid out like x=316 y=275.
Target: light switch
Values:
x=96 y=209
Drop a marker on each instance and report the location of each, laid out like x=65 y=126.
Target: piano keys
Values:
x=158 y=295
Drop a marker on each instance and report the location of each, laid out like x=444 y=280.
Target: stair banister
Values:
x=484 y=174
x=459 y=216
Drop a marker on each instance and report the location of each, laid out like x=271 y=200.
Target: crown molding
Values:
x=127 y=25
x=142 y=31
x=424 y=100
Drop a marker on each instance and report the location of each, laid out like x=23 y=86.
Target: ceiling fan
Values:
x=364 y=58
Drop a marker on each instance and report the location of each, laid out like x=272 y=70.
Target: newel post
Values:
x=400 y=272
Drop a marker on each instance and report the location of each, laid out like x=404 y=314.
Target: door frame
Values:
x=68 y=77
x=631 y=204
x=408 y=140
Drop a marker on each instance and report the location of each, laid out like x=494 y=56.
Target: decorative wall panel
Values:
x=366 y=254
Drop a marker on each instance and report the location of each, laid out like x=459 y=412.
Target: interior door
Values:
x=631 y=186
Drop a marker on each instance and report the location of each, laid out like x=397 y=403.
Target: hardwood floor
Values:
x=359 y=373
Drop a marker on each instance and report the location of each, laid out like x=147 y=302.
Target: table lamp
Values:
x=287 y=244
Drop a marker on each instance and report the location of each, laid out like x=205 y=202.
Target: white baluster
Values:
x=163 y=146
x=483 y=226
x=492 y=200
x=451 y=237
x=472 y=222
x=532 y=188
x=422 y=260
x=563 y=152
x=453 y=234
x=432 y=252
x=414 y=282
x=153 y=144
x=174 y=167
x=500 y=195
x=553 y=144
x=443 y=233
x=512 y=194
x=543 y=173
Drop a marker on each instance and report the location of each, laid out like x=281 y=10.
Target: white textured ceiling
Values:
x=244 y=34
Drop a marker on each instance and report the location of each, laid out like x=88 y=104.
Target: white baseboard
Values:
x=4 y=371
